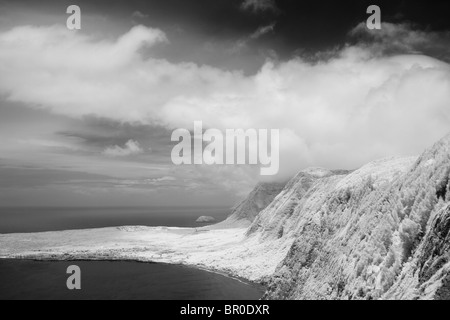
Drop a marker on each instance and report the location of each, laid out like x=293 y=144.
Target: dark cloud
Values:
x=97 y=134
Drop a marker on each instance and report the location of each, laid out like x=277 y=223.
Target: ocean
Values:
x=118 y=280
x=26 y=279
x=41 y=219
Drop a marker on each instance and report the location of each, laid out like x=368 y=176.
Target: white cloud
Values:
x=403 y=38
x=144 y=182
x=262 y=31
x=342 y=112
x=162 y=179
x=259 y=5
x=131 y=148
x=258 y=33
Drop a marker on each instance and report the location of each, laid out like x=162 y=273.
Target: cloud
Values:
x=162 y=179
x=262 y=31
x=131 y=148
x=258 y=33
x=145 y=183
x=257 y=6
x=353 y=107
x=139 y=15
x=403 y=38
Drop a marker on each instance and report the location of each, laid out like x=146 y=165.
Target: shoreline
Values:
x=227 y=252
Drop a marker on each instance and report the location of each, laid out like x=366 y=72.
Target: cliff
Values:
x=247 y=210
x=381 y=232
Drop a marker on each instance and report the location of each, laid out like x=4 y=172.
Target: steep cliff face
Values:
x=426 y=275
x=281 y=216
x=380 y=232
x=247 y=210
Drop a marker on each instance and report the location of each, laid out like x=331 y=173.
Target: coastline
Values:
x=226 y=252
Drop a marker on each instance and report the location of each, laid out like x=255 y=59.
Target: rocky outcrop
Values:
x=205 y=219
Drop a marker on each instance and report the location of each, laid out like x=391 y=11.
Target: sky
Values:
x=86 y=116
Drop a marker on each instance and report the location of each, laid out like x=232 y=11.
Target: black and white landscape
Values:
x=381 y=231
x=360 y=205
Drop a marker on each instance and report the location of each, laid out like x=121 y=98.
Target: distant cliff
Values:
x=258 y=199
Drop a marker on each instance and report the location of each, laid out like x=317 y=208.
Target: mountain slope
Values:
x=247 y=210
x=379 y=232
